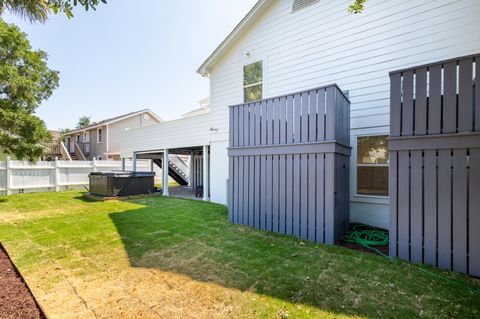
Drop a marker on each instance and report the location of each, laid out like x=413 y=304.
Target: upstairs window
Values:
x=253 y=81
x=300 y=4
x=372 y=165
x=99 y=135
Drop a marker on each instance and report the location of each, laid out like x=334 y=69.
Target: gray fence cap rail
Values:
x=294 y=93
x=426 y=65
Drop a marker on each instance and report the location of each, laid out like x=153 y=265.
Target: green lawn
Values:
x=174 y=258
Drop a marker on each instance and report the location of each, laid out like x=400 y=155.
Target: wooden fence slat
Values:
x=459 y=218
x=257 y=123
x=311 y=197
x=444 y=209
x=421 y=101
x=403 y=234
x=450 y=97
x=241 y=175
x=416 y=206
x=297 y=118
x=320 y=205
x=435 y=100
x=269 y=193
x=477 y=94
x=276 y=121
x=282 y=194
x=251 y=125
x=289 y=195
x=283 y=120
x=245 y=193
x=393 y=193
x=330 y=114
x=235 y=125
x=395 y=104
x=263 y=122
x=465 y=95
x=251 y=191
x=289 y=115
x=258 y=193
x=474 y=212
x=231 y=189
x=231 y=127
x=269 y=122
x=329 y=197
x=263 y=191
x=246 y=125
x=296 y=195
x=312 y=116
x=275 y=190
x=430 y=226
x=407 y=108
x=304 y=196
x=240 y=125
x=305 y=119
x=321 y=115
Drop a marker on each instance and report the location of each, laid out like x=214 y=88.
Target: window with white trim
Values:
x=253 y=81
x=372 y=165
x=99 y=135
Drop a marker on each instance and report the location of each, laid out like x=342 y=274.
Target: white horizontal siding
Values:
x=185 y=132
x=324 y=44
x=115 y=129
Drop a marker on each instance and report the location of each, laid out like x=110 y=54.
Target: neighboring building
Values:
x=101 y=140
x=286 y=46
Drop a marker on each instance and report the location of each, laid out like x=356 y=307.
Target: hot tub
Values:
x=121 y=183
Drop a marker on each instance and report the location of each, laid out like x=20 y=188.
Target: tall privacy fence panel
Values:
x=43 y=176
x=435 y=164
x=289 y=164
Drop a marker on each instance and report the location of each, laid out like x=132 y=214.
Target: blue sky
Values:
x=130 y=55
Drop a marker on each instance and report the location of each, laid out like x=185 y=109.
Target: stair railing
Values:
x=64 y=152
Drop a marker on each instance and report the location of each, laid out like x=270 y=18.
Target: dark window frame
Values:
x=360 y=166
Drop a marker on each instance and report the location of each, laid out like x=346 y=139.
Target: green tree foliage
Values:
x=357 y=7
x=38 y=10
x=25 y=81
x=83 y=121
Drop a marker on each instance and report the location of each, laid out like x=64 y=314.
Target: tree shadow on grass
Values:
x=195 y=239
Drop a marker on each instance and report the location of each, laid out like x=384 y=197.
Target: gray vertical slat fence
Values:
x=289 y=164
x=435 y=164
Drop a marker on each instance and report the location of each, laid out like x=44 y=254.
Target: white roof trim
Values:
x=226 y=44
x=150 y=112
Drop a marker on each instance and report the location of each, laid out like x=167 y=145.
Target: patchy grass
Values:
x=175 y=258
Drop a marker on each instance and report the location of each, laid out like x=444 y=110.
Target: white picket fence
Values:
x=24 y=177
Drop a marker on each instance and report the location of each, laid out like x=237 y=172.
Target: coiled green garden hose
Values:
x=366 y=236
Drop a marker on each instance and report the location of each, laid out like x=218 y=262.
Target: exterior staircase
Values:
x=178 y=170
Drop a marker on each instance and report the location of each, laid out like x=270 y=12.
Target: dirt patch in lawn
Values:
x=16 y=300
x=383 y=249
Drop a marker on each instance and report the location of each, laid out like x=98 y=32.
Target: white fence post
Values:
x=94 y=165
x=8 y=174
x=57 y=176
